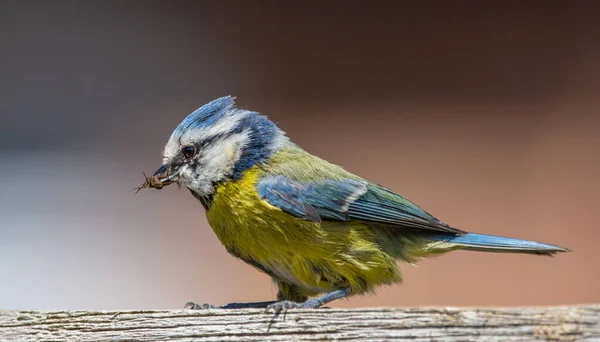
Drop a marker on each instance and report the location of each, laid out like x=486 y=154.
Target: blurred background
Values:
x=484 y=113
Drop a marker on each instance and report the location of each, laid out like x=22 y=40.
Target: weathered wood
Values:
x=568 y=323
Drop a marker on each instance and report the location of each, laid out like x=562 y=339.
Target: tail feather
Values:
x=490 y=243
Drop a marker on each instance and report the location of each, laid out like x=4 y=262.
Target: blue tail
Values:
x=490 y=243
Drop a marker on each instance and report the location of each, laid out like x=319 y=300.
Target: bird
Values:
x=320 y=232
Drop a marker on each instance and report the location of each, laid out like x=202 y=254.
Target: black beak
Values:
x=161 y=171
x=165 y=174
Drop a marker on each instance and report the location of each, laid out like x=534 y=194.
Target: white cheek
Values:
x=186 y=176
x=216 y=164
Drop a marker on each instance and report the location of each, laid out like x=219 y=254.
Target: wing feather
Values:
x=344 y=200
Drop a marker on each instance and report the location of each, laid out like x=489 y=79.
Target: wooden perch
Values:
x=568 y=323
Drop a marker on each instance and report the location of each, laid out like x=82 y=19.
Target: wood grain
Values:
x=565 y=323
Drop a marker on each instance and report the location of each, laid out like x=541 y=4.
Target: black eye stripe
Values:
x=210 y=140
x=187 y=151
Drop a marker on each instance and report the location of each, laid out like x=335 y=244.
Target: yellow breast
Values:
x=318 y=257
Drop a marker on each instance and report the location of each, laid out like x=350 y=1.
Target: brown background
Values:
x=484 y=113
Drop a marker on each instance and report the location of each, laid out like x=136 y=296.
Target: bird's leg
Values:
x=249 y=305
x=286 y=291
x=312 y=303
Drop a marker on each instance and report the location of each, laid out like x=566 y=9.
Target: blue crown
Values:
x=207 y=115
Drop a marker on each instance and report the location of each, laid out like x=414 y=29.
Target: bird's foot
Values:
x=277 y=306
x=250 y=305
x=194 y=306
x=283 y=305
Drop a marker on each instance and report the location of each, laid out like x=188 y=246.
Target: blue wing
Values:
x=329 y=198
x=345 y=200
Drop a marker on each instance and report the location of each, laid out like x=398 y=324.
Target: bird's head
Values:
x=217 y=143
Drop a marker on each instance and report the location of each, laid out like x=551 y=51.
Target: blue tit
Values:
x=320 y=232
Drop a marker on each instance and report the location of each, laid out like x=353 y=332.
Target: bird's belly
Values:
x=315 y=256
x=280 y=252
x=314 y=285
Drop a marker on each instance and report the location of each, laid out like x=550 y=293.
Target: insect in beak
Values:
x=162 y=177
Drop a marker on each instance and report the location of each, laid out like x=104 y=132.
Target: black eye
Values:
x=188 y=151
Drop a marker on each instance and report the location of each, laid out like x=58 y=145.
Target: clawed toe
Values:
x=283 y=305
x=276 y=307
x=194 y=306
x=286 y=305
